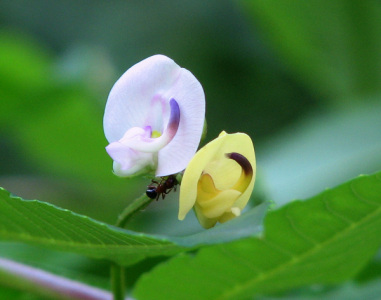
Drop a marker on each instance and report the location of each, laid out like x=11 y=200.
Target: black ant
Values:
x=162 y=188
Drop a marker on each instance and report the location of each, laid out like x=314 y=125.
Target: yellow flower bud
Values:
x=219 y=179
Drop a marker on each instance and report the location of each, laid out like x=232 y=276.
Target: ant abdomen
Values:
x=151 y=192
x=161 y=188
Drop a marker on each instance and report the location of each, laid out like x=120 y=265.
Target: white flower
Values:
x=154 y=118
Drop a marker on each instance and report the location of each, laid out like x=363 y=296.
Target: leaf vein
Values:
x=296 y=259
x=335 y=213
x=297 y=230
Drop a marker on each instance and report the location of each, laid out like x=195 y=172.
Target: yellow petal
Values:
x=203 y=220
x=215 y=207
x=226 y=174
x=206 y=185
x=226 y=217
x=246 y=174
x=236 y=211
x=192 y=174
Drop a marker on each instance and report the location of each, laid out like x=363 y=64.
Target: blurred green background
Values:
x=302 y=78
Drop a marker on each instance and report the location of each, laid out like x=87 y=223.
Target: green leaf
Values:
x=325 y=239
x=348 y=291
x=8 y=293
x=42 y=224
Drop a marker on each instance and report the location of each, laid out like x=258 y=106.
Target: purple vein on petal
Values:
x=174 y=118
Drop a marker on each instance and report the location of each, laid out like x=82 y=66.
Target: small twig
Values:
x=137 y=205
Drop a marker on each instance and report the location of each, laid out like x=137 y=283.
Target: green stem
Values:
x=117 y=281
x=117 y=271
x=137 y=205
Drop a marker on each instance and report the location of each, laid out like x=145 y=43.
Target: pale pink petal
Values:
x=189 y=94
x=148 y=144
x=126 y=160
x=134 y=94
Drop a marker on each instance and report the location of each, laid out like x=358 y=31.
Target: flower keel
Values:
x=149 y=143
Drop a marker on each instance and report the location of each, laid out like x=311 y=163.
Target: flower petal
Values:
x=204 y=221
x=133 y=95
x=192 y=174
x=151 y=145
x=225 y=174
x=235 y=212
x=190 y=96
x=126 y=160
x=141 y=97
x=241 y=143
x=215 y=207
x=247 y=171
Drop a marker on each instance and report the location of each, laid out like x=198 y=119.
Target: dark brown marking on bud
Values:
x=242 y=161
